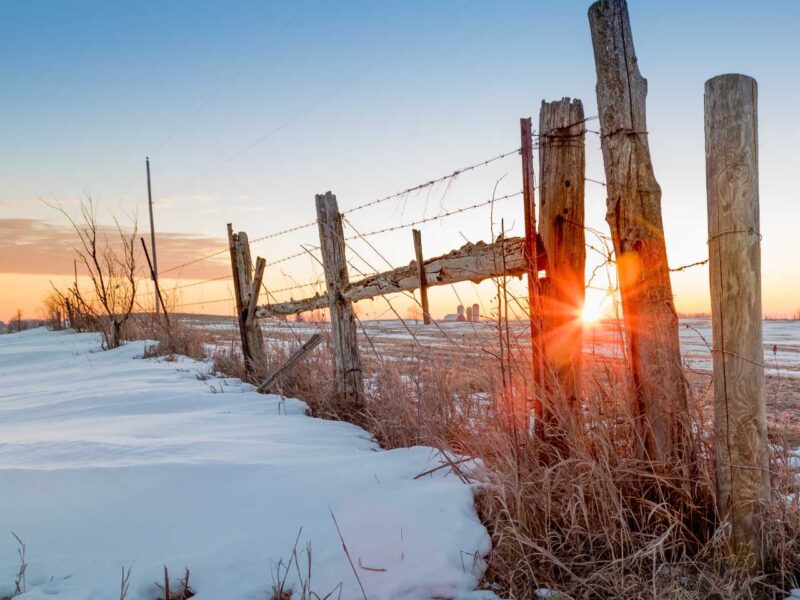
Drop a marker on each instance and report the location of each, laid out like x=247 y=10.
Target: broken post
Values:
x=255 y=338
x=298 y=355
x=347 y=363
x=423 y=284
x=561 y=209
x=734 y=246
x=634 y=216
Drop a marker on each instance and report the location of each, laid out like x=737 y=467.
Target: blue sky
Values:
x=247 y=109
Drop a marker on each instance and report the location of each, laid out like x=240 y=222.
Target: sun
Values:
x=593 y=308
x=591 y=314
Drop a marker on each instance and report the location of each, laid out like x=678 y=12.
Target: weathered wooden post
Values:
x=233 y=247
x=561 y=208
x=634 y=216
x=423 y=284
x=348 y=373
x=242 y=271
x=734 y=249
x=255 y=337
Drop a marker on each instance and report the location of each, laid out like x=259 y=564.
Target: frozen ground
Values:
x=107 y=460
x=781 y=338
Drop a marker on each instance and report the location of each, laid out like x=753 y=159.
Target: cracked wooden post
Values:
x=734 y=250
x=255 y=338
x=242 y=271
x=634 y=216
x=561 y=209
x=233 y=246
x=347 y=363
x=423 y=284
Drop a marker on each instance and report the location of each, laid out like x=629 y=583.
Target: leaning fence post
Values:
x=634 y=216
x=734 y=247
x=347 y=363
x=423 y=283
x=562 y=177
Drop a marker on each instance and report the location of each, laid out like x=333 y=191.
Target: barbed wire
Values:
x=434 y=218
x=284 y=232
x=432 y=182
x=194 y=261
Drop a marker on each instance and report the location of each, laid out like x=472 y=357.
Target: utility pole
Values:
x=152 y=234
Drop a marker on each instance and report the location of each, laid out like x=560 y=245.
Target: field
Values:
x=459 y=341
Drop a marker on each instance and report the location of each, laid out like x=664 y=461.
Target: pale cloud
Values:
x=32 y=246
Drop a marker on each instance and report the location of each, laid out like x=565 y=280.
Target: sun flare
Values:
x=591 y=314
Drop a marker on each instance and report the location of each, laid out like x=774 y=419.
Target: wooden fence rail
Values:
x=471 y=262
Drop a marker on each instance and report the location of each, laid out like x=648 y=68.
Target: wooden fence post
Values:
x=423 y=284
x=561 y=209
x=734 y=245
x=532 y=260
x=634 y=216
x=242 y=271
x=255 y=338
x=233 y=247
x=347 y=363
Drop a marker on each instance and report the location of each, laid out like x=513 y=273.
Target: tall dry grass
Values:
x=573 y=508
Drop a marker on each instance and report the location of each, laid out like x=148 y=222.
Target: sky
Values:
x=248 y=109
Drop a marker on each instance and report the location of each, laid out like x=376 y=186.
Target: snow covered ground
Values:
x=108 y=460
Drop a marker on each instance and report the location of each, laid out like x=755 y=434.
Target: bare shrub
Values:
x=111 y=266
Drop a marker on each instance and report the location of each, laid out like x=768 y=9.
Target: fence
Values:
x=552 y=255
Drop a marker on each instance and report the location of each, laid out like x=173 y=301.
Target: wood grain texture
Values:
x=471 y=262
x=562 y=163
x=244 y=269
x=742 y=453
x=347 y=362
x=255 y=288
x=634 y=216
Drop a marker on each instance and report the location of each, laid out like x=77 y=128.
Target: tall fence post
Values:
x=423 y=284
x=734 y=246
x=347 y=363
x=561 y=226
x=634 y=216
x=531 y=258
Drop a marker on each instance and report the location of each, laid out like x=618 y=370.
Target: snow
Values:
x=108 y=460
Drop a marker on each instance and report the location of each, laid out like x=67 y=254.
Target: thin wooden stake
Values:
x=298 y=355
x=532 y=259
x=423 y=283
x=734 y=244
x=155 y=282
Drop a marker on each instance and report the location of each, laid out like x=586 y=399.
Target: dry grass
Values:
x=171 y=340
x=575 y=510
